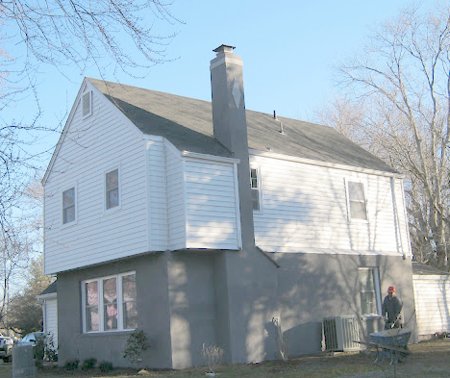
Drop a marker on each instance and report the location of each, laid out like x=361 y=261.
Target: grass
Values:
x=428 y=359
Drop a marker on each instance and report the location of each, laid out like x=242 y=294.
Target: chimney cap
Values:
x=224 y=49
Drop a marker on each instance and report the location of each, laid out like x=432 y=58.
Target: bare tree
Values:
x=20 y=243
x=80 y=32
x=15 y=252
x=104 y=34
x=25 y=313
x=403 y=84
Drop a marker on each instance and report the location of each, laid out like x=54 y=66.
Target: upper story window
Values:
x=356 y=200
x=112 y=189
x=86 y=104
x=255 y=186
x=369 y=288
x=109 y=303
x=69 y=202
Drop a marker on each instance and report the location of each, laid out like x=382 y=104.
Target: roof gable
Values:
x=85 y=86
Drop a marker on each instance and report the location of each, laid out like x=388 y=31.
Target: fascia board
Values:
x=64 y=132
x=345 y=167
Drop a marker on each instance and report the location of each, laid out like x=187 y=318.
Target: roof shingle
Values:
x=187 y=123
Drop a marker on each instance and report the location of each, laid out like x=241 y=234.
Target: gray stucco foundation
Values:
x=312 y=287
x=189 y=298
x=152 y=306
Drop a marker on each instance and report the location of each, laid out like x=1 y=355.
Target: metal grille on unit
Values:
x=340 y=333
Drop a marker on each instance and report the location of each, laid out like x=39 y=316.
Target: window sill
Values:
x=371 y=316
x=358 y=221
x=108 y=333
x=111 y=211
x=69 y=224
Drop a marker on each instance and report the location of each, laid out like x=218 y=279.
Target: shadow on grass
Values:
x=427 y=359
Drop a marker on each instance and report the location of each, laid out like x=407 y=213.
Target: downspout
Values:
x=398 y=234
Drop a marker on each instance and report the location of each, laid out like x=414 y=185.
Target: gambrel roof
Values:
x=187 y=123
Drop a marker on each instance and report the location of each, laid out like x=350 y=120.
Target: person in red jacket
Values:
x=391 y=309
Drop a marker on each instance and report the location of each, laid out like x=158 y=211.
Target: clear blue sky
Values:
x=290 y=49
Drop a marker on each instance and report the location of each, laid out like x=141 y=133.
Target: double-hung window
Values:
x=68 y=206
x=356 y=200
x=109 y=303
x=369 y=288
x=92 y=321
x=112 y=189
x=255 y=185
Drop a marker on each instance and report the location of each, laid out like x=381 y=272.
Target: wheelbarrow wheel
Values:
x=403 y=355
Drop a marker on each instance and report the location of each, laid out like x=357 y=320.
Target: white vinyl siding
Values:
x=157 y=195
x=211 y=205
x=50 y=308
x=167 y=219
x=176 y=198
x=308 y=212
x=432 y=298
x=166 y=201
x=90 y=148
x=399 y=212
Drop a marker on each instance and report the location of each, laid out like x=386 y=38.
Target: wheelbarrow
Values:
x=391 y=343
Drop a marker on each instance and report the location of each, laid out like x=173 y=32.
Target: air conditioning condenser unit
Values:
x=341 y=333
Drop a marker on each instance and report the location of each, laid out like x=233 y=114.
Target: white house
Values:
x=49 y=301
x=204 y=222
x=432 y=297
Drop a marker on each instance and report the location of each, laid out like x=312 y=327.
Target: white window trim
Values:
x=259 y=189
x=75 y=221
x=377 y=287
x=119 y=288
x=91 y=103
x=119 y=187
x=347 y=197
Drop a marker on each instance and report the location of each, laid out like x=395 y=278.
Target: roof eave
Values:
x=346 y=167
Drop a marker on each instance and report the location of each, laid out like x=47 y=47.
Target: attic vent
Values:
x=86 y=104
x=281 y=123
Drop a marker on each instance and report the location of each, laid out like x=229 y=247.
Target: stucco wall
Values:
x=153 y=310
x=192 y=306
x=311 y=287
